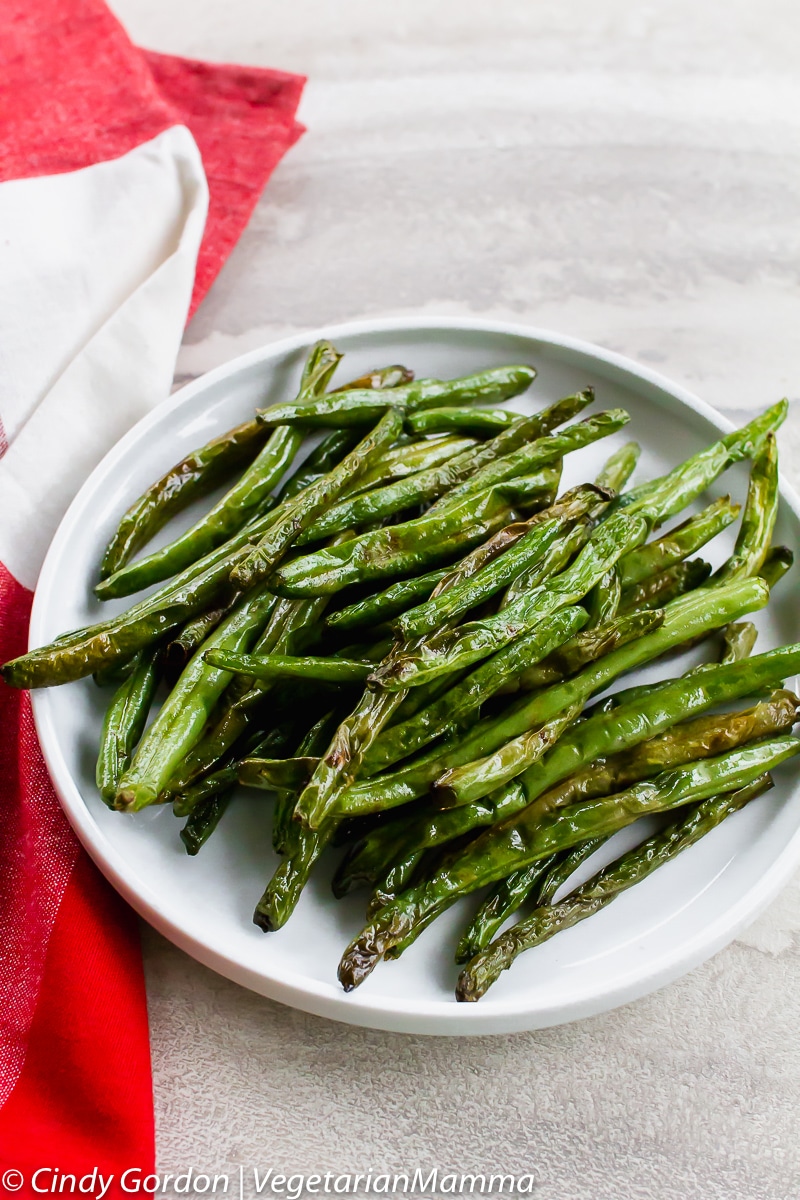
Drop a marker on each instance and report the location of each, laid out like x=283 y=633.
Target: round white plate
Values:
x=650 y=935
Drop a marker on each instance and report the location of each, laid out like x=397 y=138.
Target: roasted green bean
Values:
x=685 y=539
x=124 y=723
x=238 y=506
x=195 y=475
x=631 y=868
x=528 y=836
x=425 y=485
x=461 y=420
x=623 y=727
x=449 y=650
x=183 y=716
x=312 y=501
x=355 y=407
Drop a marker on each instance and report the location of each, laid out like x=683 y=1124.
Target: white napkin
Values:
x=96 y=275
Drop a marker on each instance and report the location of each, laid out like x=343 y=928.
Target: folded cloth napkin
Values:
x=126 y=178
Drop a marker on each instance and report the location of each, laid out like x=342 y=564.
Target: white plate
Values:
x=670 y=923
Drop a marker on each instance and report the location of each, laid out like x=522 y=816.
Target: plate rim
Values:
x=439 y=1017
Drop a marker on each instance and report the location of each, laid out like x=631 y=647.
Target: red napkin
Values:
x=75 y=1084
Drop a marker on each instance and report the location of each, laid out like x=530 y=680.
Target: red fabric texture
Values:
x=37 y=850
x=78 y=92
x=90 y=1025
x=75 y=1087
x=240 y=155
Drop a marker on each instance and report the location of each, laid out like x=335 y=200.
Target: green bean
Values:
x=367 y=652
x=461 y=420
x=398 y=550
x=538 y=882
x=301 y=847
x=365 y=407
x=405 y=459
x=399 y=876
x=274 y=742
x=427 y=829
x=431 y=861
x=124 y=724
x=421 y=697
x=339 y=442
x=564 y=867
x=405 y=492
x=94 y=649
x=343 y=758
x=385 y=377
x=487 y=552
x=227 y=727
x=180 y=649
x=738 y=641
x=658 y=590
x=619 y=467
x=371 y=856
x=426 y=485
x=203 y=820
x=603 y=600
x=283 y=891
x=276 y=774
x=686 y=618
x=696 y=738
x=222 y=559
x=778 y=561
x=560 y=555
x=464 y=700
x=531 y=493
x=237 y=506
x=668 y=495
x=527 y=836
x=450 y=650
x=286 y=833
x=289 y=625
x=212 y=569
x=330 y=451
x=118 y=672
x=194 y=476
x=486 y=967
x=312 y=501
x=535 y=454
x=526 y=546
x=606 y=733
x=506 y=897
x=282 y=666
x=382 y=606
x=584 y=648
x=279 y=738
x=554 y=560
x=210 y=572
x=428 y=862
x=758 y=518
x=461 y=785
x=183 y=716
x=671 y=548
x=217 y=783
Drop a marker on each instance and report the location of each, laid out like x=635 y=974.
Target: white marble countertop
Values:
x=627 y=173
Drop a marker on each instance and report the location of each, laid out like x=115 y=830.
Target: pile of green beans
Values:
x=402 y=633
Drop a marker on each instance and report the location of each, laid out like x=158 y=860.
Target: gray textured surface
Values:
x=627 y=173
